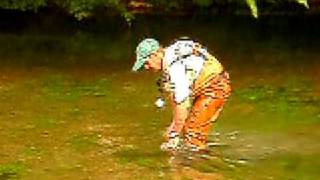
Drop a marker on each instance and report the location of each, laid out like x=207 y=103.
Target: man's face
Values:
x=154 y=62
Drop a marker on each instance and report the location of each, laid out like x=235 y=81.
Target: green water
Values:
x=71 y=109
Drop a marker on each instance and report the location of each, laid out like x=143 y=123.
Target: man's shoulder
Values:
x=180 y=46
x=182 y=42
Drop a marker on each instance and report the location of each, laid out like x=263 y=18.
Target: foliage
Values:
x=22 y=4
x=81 y=9
x=303 y=2
x=254 y=8
x=84 y=8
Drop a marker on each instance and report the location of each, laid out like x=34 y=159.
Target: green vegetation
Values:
x=85 y=8
x=11 y=171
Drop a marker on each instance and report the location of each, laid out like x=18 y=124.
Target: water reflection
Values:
x=190 y=165
x=222 y=158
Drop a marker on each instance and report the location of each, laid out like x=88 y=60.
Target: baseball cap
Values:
x=143 y=51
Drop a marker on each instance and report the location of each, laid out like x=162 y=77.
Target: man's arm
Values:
x=180 y=114
x=179 y=86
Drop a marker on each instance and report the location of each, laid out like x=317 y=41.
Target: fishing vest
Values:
x=211 y=67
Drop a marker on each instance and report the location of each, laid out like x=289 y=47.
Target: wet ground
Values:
x=82 y=120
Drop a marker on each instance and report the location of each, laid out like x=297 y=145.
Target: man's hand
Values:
x=159 y=102
x=171 y=145
x=180 y=114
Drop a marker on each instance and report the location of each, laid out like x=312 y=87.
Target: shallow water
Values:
x=71 y=109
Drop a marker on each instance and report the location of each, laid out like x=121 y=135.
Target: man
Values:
x=197 y=84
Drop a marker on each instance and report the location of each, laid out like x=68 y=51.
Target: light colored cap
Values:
x=144 y=49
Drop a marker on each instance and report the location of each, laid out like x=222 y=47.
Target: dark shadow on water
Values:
x=48 y=39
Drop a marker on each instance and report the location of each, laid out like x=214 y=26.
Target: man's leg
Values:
x=205 y=110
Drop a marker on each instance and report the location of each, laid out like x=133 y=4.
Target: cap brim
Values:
x=136 y=67
x=138 y=64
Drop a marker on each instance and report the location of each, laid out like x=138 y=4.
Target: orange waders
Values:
x=208 y=100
